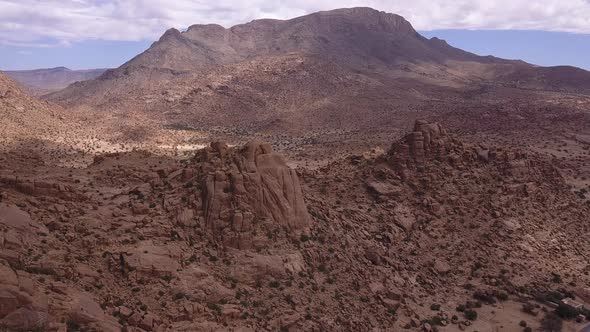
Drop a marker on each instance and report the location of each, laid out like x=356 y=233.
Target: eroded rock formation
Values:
x=246 y=188
x=425 y=141
x=431 y=142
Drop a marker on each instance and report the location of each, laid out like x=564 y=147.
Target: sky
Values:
x=106 y=33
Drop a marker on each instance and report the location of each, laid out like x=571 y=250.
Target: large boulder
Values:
x=24 y=319
x=21 y=305
x=17 y=229
x=151 y=259
x=254 y=267
x=86 y=312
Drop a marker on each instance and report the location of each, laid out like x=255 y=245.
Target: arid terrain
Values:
x=43 y=81
x=332 y=172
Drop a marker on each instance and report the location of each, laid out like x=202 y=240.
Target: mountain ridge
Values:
x=44 y=80
x=350 y=33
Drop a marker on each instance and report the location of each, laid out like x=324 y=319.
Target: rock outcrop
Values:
x=21 y=305
x=17 y=228
x=40 y=188
x=430 y=141
x=425 y=141
x=248 y=188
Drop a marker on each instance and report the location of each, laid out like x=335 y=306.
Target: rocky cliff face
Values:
x=247 y=188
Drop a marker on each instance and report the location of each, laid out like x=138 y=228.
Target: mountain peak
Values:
x=357 y=12
x=201 y=27
x=171 y=33
x=387 y=21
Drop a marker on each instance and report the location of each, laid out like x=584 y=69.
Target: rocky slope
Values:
x=24 y=117
x=42 y=81
x=434 y=233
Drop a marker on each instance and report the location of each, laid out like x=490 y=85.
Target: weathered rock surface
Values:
x=244 y=188
x=24 y=319
x=40 y=188
x=218 y=241
x=21 y=306
x=18 y=227
x=152 y=259
x=430 y=142
x=404 y=217
x=427 y=140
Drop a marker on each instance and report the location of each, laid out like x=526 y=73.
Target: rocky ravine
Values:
x=234 y=239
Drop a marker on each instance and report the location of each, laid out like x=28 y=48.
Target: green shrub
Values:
x=72 y=326
x=484 y=297
x=566 y=312
x=214 y=306
x=470 y=314
x=501 y=296
x=529 y=308
x=551 y=323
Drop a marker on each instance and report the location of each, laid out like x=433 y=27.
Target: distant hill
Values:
x=41 y=81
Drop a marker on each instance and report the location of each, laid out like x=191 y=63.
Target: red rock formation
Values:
x=426 y=140
x=40 y=188
x=246 y=187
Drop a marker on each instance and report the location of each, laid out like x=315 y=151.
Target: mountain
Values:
x=41 y=81
x=355 y=68
x=354 y=35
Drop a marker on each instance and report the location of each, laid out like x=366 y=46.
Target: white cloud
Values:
x=29 y=22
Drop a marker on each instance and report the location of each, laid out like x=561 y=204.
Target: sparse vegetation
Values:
x=551 y=323
x=470 y=314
